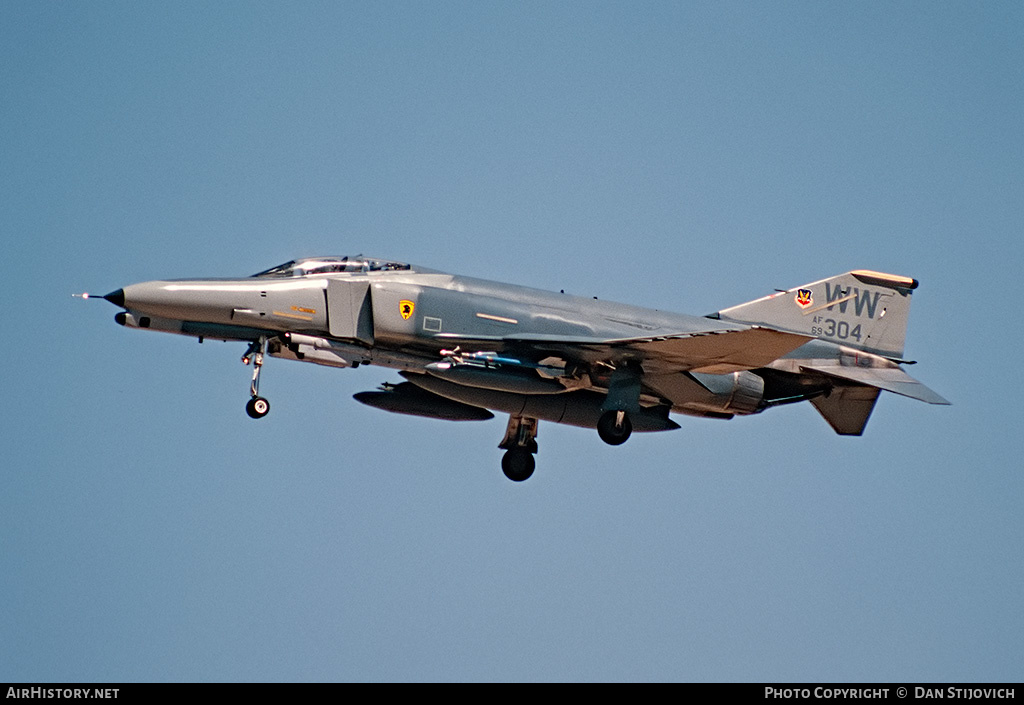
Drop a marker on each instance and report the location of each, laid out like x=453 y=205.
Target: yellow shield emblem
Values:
x=406 y=308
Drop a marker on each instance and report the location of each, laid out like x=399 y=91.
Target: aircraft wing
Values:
x=716 y=352
x=712 y=351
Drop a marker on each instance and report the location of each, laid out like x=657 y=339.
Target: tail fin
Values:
x=860 y=309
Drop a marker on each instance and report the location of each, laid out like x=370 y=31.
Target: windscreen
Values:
x=330 y=265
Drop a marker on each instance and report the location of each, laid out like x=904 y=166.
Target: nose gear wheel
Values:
x=257 y=407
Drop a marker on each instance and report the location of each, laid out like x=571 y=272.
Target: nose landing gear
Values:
x=257 y=407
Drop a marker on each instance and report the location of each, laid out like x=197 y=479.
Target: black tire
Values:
x=518 y=464
x=609 y=433
x=257 y=407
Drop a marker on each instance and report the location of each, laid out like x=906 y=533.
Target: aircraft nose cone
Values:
x=116 y=297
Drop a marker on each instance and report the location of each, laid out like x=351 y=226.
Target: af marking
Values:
x=831 y=328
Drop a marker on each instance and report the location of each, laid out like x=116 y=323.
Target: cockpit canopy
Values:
x=331 y=265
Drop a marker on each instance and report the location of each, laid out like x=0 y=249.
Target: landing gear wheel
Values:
x=614 y=427
x=257 y=407
x=518 y=464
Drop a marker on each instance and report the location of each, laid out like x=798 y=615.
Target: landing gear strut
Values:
x=257 y=407
x=614 y=425
x=520 y=443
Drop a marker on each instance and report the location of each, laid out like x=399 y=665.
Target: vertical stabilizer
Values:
x=860 y=309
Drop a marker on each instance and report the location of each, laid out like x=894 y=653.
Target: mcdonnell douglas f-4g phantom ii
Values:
x=466 y=346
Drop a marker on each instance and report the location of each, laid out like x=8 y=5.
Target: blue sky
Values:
x=683 y=156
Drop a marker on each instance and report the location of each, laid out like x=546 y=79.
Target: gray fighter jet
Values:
x=466 y=346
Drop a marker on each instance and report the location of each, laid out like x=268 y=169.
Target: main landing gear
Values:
x=257 y=407
x=614 y=427
x=520 y=443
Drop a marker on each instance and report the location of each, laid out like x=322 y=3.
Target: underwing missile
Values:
x=517 y=380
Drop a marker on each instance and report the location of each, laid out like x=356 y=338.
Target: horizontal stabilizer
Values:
x=847 y=409
x=891 y=379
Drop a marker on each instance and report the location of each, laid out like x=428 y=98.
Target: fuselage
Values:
x=409 y=318
x=468 y=346
x=409 y=310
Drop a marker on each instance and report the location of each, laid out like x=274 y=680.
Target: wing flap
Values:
x=891 y=379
